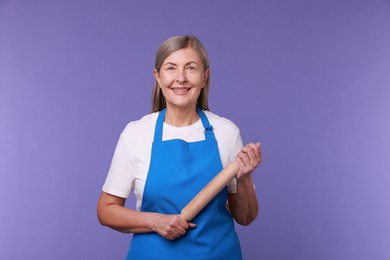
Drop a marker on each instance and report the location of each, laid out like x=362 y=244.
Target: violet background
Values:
x=309 y=79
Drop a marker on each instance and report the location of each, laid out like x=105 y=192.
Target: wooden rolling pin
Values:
x=209 y=191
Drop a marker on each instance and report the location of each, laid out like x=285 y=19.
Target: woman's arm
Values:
x=243 y=205
x=112 y=213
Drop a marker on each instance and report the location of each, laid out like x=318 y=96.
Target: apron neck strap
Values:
x=208 y=129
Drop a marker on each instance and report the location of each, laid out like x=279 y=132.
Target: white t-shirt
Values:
x=130 y=163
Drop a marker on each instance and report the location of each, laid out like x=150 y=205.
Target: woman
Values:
x=168 y=156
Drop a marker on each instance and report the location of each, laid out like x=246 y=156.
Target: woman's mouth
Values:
x=180 y=91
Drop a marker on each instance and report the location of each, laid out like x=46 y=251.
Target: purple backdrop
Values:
x=309 y=79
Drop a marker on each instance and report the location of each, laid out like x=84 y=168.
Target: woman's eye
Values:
x=190 y=68
x=170 y=68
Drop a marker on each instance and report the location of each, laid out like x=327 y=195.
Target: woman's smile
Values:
x=180 y=90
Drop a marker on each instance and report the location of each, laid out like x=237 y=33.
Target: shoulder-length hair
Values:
x=168 y=47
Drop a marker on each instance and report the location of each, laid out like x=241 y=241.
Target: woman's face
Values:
x=181 y=78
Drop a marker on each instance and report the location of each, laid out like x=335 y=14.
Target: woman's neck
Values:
x=180 y=117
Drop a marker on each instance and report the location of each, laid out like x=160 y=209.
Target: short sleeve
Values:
x=237 y=146
x=120 y=178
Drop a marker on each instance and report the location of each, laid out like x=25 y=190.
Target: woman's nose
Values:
x=181 y=76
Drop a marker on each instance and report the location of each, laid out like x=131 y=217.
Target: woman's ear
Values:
x=157 y=76
x=206 y=76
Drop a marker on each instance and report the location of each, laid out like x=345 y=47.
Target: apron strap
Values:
x=208 y=129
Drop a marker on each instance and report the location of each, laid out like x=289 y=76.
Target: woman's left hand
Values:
x=248 y=159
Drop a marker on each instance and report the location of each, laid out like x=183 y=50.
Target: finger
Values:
x=257 y=152
x=250 y=152
x=260 y=155
x=180 y=231
x=184 y=224
x=240 y=163
x=255 y=147
x=176 y=230
x=191 y=225
x=173 y=235
x=168 y=235
x=244 y=158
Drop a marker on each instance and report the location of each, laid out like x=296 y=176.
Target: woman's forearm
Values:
x=243 y=204
x=126 y=220
x=112 y=213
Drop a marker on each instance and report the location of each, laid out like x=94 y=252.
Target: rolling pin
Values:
x=209 y=191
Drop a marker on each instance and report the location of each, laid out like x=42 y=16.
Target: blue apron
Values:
x=178 y=171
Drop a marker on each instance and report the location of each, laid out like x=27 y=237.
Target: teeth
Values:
x=180 y=89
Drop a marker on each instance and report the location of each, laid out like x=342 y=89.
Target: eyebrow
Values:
x=174 y=64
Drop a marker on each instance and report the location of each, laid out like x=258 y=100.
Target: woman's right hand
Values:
x=171 y=226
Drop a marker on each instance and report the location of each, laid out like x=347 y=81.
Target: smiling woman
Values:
x=168 y=156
